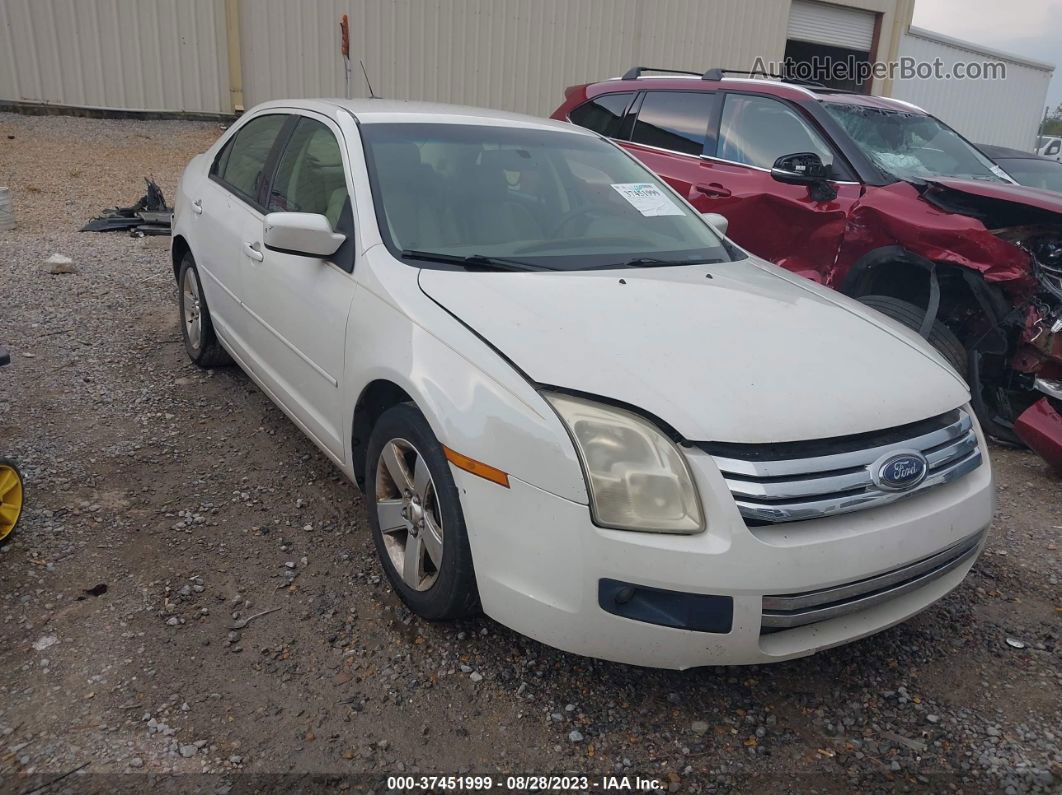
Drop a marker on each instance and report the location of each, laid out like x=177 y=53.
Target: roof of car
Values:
x=1006 y=153
x=778 y=88
x=372 y=111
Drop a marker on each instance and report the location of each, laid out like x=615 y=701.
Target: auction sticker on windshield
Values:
x=647 y=198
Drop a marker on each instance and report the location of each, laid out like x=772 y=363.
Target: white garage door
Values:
x=836 y=26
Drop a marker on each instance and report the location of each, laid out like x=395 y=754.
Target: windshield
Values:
x=549 y=199
x=1046 y=174
x=911 y=146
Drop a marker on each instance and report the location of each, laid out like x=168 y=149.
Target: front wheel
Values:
x=940 y=336
x=416 y=519
x=991 y=404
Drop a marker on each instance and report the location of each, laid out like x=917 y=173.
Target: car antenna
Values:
x=372 y=94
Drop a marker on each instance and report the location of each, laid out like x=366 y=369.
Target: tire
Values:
x=415 y=511
x=940 y=336
x=12 y=498
x=197 y=330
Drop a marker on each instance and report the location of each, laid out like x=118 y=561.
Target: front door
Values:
x=776 y=221
x=300 y=304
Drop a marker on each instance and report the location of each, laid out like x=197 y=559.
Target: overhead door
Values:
x=836 y=26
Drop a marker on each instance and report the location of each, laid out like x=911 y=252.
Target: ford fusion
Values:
x=569 y=400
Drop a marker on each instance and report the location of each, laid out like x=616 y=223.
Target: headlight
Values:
x=638 y=479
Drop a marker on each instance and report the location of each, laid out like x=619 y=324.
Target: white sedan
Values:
x=570 y=401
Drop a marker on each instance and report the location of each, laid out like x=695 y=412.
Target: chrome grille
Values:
x=796 y=610
x=807 y=480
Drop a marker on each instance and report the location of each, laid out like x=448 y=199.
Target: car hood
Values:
x=731 y=352
x=1020 y=194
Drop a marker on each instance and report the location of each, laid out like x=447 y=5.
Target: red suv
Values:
x=873 y=197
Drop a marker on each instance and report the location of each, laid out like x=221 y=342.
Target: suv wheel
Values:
x=416 y=519
x=940 y=336
x=991 y=404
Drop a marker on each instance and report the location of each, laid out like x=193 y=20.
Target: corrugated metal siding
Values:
x=129 y=54
x=829 y=24
x=1001 y=112
x=509 y=54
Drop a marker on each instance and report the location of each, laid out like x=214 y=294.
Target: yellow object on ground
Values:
x=10 y=497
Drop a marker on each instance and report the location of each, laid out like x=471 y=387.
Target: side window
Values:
x=758 y=130
x=675 y=120
x=241 y=163
x=1053 y=148
x=310 y=176
x=603 y=114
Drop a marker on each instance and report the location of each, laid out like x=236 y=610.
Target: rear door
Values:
x=669 y=133
x=773 y=220
x=298 y=306
x=228 y=203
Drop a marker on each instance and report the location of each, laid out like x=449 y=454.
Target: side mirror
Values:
x=302 y=234
x=718 y=222
x=805 y=168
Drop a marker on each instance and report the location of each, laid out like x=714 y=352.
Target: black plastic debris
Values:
x=149 y=216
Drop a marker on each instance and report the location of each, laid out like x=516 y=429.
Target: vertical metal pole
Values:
x=232 y=31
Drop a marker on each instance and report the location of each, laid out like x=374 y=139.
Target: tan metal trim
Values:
x=232 y=31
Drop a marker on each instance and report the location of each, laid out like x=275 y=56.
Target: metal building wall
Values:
x=127 y=54
x=1001 y=112
x=509 y=54
x=173 y=55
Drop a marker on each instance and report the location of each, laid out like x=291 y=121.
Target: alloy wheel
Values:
x=409 y=514
x=192 y=305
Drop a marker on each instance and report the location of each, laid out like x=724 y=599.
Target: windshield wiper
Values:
x=658 y=262
x=475 y=261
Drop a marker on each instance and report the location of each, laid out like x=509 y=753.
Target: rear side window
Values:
x=603 y=114
x=241 y=164
x=758 y=130
x=675 y=120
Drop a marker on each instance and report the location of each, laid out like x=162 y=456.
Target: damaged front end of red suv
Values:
x=993 y=252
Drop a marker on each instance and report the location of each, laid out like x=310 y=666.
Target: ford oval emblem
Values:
x=900 y=471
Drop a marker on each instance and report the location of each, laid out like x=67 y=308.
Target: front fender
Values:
x=476 y=403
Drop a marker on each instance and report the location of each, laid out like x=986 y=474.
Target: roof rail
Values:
x=636 y=71
x=718 y=74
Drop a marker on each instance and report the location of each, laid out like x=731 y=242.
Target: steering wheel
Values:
x=578 y=212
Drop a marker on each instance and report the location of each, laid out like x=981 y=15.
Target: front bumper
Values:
x=540 y=564
x=1040 y=427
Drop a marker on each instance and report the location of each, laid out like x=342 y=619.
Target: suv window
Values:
x=241 y=163
x=675 y=120
x=759 y=130
x=309 y=176
x=603 y=114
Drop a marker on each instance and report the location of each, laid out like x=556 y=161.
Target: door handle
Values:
x=252 y=251
x=197 y=207
x=712 y=189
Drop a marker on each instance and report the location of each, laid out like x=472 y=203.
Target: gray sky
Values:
x=1032 y=28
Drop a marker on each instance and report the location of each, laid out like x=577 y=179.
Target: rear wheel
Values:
x=197 y=330
x=415 y=514
x=11 y=497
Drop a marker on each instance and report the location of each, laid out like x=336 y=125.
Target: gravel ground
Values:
x=165 y=504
